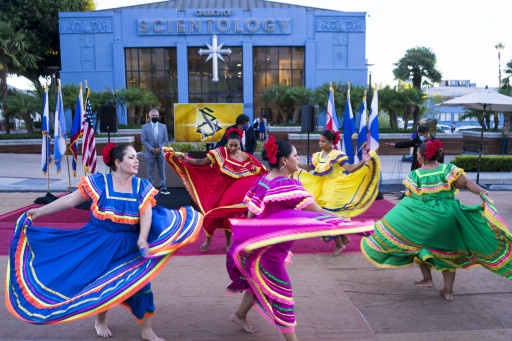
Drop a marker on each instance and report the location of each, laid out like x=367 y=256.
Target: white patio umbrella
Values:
x=484 y=101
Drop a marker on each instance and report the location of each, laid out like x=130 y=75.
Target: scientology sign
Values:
x=213 y=21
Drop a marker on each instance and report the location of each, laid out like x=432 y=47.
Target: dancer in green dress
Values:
x=432 y=228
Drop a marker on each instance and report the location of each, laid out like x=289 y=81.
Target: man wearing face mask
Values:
x=248 y=143
x=422 y=136
x=154 y=137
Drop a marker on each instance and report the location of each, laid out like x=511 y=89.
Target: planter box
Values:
x=33 y=146
x=491 y=142
x=452 y=143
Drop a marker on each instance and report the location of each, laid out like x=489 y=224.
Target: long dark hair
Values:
x=284 y=148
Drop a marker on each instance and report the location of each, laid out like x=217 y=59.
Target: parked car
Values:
x=468 y=128
x=409 y=125
x=444 y=128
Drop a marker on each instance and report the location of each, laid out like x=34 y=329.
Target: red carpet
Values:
x=75 y=218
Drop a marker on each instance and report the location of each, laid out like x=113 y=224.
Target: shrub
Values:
x=488 y=163
x=21 y=136
x=187 y=147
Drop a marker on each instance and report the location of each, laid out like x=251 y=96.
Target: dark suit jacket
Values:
x=415 y=143
x=250 y=140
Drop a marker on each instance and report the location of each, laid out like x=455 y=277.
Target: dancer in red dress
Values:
x=219 y=182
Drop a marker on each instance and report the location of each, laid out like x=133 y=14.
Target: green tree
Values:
x=137 y=101
x=418 y=63
x=14 y=57
x=40 y=21
x=391 y=102
x=22 y=105
x=508 y=71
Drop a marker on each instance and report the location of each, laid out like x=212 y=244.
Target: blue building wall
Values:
x=93 y=43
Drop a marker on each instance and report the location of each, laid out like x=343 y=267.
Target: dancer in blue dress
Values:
x=56 y=276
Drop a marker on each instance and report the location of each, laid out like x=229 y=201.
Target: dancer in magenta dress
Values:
x=280 y=211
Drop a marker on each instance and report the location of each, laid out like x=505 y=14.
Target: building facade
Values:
x=207 y=51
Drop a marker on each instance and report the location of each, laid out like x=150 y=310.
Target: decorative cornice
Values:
x=93 y=25
x=339 y=24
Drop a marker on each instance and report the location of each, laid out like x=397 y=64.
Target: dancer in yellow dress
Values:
x=347 y=195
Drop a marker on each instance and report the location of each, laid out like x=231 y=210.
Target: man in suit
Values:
x=154 y=137
x=248 y=140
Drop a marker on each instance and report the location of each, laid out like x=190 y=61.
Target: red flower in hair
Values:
x=271 y=150
x=337 y=138
x=235 y=130
x=432 y=147
x=106 y=152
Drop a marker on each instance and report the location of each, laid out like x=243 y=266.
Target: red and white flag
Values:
x=88 y=142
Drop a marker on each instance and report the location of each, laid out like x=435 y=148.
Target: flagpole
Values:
x=85 y=169
x=47 y=150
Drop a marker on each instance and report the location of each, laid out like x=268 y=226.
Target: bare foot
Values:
x=205 y=245
x=243 y=322
x=338 y=250
x=102 y=329
x=448 y=296
x=424 y=283
x=345 y=240
x=228 y=246
x=149 y=334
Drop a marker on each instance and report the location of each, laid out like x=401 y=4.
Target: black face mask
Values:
x=154 y=119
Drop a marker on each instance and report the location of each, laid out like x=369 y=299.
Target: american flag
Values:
x=88 y=142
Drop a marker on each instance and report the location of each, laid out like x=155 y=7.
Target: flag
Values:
x=349 y=130
x=332 y=120
x=46 y=153
x=59 y=148
x=88 y=142
x=362 y=135
x=75 y=129
x=373 y=124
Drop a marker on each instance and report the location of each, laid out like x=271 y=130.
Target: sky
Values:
x=461 y=33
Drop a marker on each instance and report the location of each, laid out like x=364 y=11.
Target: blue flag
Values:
x=362 y=135
x=349 y=130
x=75 y=129
x=59 y=148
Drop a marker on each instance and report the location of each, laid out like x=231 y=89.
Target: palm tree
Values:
x=499 y=47
x=22 y=105
x=508 y=71
x=136 y=101
x=416 y=64
x=14 y=57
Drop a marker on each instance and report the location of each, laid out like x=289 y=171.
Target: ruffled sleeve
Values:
x=324 y=167
x=223 y=164
x=146 y=195
x=434 y=182
x=92 y=186
x=289 y=191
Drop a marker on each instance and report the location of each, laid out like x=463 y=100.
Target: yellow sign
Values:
x=204 y=122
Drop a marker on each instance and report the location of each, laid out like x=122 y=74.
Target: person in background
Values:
x=154 y=137
x=505 y=135
x=423 y=135
x=262 y=129
x=453 y=127
x=248 y=143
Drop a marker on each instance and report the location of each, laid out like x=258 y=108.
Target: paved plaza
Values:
x=337 y=298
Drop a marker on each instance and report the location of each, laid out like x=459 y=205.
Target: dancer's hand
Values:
x=143 y=247
x=366 y=157
x=35 y=212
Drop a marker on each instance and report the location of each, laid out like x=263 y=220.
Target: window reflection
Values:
x=276 y=65
x=229 y=88
x=155 y=70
